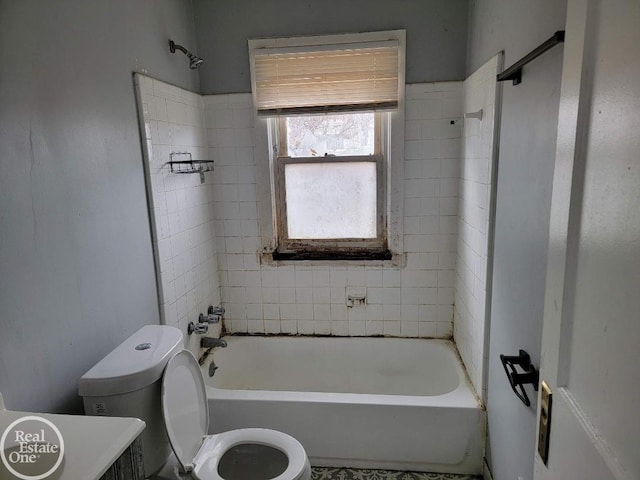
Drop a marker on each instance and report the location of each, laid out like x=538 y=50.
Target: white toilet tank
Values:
x=127 y=383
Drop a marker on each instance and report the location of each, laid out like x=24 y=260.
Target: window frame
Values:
x=391 y=127
x=343 y=247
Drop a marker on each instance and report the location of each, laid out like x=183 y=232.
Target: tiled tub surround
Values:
x=207 y=242
x=310 y=298
x=172 y=120
x=396 y=403
x=476 y=179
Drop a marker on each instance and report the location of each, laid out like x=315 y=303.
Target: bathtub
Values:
x=391 y=403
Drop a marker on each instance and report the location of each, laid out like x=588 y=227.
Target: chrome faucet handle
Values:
x=198 y=328
x=214 y=314
x=217 y=310
x=210 y=318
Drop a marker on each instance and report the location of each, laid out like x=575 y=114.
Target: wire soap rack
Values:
x=182 y=162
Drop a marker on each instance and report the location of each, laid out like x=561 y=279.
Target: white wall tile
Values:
x=305 y=327
x=340 y=329
x=182 y=228
x=312 y=299
x=473 y=215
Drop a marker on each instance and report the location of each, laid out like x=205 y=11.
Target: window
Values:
x=346 y=134
x=329 y=104
x=329 y=185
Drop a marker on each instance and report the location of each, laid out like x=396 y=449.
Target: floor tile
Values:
x=333 y=473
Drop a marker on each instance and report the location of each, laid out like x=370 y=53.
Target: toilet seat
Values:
x=215 y=446
x=186 y=415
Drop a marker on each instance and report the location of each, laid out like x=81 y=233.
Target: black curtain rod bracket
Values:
x=514 y=72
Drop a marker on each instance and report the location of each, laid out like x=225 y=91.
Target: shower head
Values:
x=194 y=62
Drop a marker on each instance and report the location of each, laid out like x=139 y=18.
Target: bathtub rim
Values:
x=463 y=396
x=459 y=398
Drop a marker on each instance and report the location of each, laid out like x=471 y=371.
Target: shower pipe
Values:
x=194 y=61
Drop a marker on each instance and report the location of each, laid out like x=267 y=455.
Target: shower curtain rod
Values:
x=514 y=72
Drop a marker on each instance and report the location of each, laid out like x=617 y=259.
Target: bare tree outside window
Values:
x=326 y=135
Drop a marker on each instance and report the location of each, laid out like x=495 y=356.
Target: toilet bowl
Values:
x=150 y=377
x=250 y=453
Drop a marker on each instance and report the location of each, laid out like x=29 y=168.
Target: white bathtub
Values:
x=391 y=403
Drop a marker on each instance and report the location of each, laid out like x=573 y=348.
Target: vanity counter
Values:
x=94 y=447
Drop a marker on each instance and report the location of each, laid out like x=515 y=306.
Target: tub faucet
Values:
x=209 y=342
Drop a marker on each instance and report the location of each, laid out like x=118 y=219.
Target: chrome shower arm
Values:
x=173 y=46
x=194 y=61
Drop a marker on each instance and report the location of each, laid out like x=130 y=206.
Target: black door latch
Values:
x=518 y=380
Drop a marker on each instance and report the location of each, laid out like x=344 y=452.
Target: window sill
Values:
x=329 y=255
x=391 y=260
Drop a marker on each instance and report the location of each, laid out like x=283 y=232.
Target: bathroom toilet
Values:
x=150 y=377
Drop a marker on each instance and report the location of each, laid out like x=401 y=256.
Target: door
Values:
x=528 y=131
x=591 y=333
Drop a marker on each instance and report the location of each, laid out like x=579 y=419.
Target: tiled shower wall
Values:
x=476 y=178
x=180 y=206
x=310 y=298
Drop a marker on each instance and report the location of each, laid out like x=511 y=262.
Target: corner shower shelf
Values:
x=189 y=165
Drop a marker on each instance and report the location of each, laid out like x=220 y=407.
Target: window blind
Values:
x=325 y=78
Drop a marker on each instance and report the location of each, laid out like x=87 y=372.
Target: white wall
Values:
x=76 y=263
x=180 y=206
x=310 y=298
x=476 y=179
x=436 y=33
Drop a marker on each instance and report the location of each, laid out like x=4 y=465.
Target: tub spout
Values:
x=209 y=342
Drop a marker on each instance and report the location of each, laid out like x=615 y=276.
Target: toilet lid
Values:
x=184 y=406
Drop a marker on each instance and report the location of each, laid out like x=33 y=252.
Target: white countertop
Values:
x=91 y=444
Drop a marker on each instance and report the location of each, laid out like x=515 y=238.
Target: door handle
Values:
x=517 y=380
